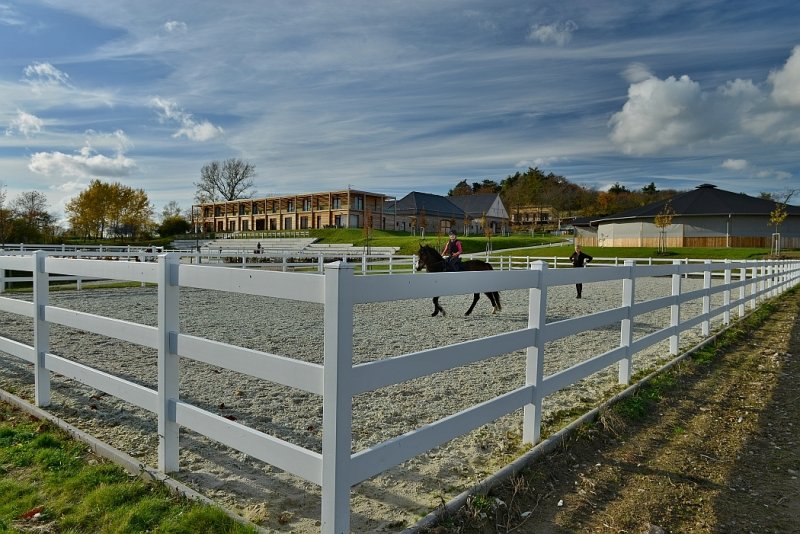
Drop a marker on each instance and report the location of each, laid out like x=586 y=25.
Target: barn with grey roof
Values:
x=703 y=217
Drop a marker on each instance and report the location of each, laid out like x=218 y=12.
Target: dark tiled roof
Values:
x=705 y=199
x=474 y=204
x=434 y=205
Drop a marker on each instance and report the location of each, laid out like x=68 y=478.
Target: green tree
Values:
x=486 y=186
x=460 y=189
x=230 y=180
x=174 y=226
x=650 y=189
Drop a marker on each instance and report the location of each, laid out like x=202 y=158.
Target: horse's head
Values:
x=428 y=257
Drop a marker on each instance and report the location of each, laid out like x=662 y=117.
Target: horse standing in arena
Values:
x=433 y=262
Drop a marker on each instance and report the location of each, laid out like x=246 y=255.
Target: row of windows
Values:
x=257 y=208
x=304 y=223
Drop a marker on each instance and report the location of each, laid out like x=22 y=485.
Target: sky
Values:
x=398 y=95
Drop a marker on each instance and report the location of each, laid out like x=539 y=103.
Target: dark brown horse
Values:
x=433 y=262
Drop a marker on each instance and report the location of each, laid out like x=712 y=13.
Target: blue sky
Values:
x=395 y=96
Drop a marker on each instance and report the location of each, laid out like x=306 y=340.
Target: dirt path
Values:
x=720 y=452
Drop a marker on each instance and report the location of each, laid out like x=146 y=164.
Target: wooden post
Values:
x=168 y=372
x=337 y=400
x=726 y=295
x=705 y=326
x=41 y=329
x=675 y=309
x=534 y=357
x=742 y=290
x=626 y=325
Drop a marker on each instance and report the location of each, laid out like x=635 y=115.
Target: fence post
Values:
x=79 y=280
x=753 y=286
x=763 y=281
x=337 y=400
x=168 y=372
x=41 y=329
x=675 y=309
x=534 y=356
x=2 y=279
x=626 y=325
x=705 y=326
x=742 y=290
x=726 y=295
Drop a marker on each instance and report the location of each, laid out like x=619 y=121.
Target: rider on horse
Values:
x=452 y=253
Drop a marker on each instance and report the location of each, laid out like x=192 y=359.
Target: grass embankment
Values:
x=409 y=244
x=52 y=483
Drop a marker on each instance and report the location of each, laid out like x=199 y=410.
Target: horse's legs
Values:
x=490 y=296
x=437 y=308
x=496 y=303
x=475 y=298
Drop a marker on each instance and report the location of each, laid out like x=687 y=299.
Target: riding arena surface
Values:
x=282 y=502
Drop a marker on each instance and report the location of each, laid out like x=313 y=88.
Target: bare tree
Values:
x=31 y=206
x=230 y=180
x=171 y=210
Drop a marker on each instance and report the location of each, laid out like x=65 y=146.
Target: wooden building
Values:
x=347 y=208
x=703 y=217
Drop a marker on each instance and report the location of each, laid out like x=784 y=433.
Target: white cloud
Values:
x=559 y=33
x=537 y=162
x=204 y=131
x=45 y=74
x=169 y=111
x=786 y=81
x=735 y=164
x=87 y=162
x=9 y=17
x=26 y=124
x=175 y=26
x=637 y=72
x=660 y=114
x=779 y=175
x=675 y=112
x=82 y=165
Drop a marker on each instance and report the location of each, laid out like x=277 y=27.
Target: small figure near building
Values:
x=579 y=259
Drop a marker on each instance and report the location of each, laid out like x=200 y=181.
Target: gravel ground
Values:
x=280 y=501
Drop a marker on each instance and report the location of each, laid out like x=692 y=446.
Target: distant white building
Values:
x=703 y=217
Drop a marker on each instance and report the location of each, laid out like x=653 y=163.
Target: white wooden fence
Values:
x=336 y=469
x=302 y=262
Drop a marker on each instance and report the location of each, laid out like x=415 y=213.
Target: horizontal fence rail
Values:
x=337 y=380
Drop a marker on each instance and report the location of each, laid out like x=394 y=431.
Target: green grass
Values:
x=409 y=244
x=43 y=471
x=646 y=252
x=638 y=405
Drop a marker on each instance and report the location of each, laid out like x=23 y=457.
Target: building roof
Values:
x=704 y=200
x=482 y=204
x=434 y=205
